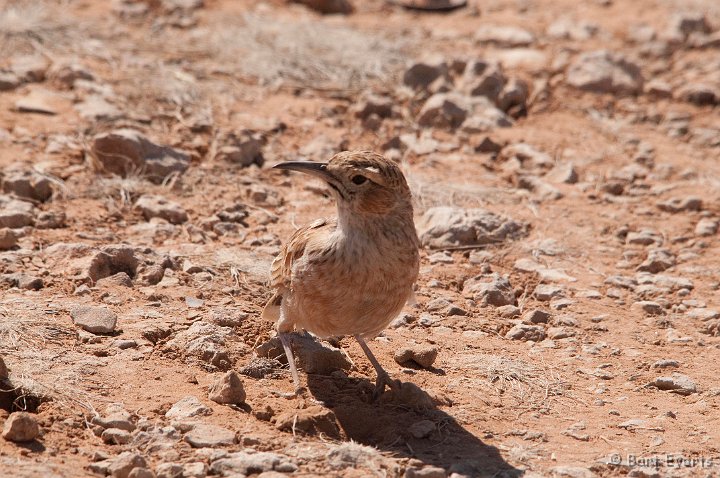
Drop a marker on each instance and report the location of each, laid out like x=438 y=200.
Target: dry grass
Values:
x=27 y=26
x=310 y=53
x=42 y=365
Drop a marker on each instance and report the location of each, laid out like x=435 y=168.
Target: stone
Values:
x=444 y=110
x=248 y=463
x=657 y=260
x=504 y=36
x=243 y=148
x=484 y=116
x=43 y=101
x=644 y=237
x=27 y=184
x=310 y=354
x=29 y=68
x=513 y=98
x=152 y=205
x=703 y=314
x=571 y=472
x=124 y=463
x=563 y=173
x=3 y=370
x=372 y=104
x=21 y=427
x=169 y=470
x=127 y=151
x=422 y=354
x=529 y=157
x=676 y=383
x=203 y=342
x=687 y=22
x=699 y=94
x=8 y=81
x=227 y=389
x=188 y=407
x=483 y=78
x=447 y=226
x=140 y=472
x=209 y=436
x=508 y=311
x=116 y=436
x=666 y=363
x=557 y=333
x=21 y=281
x=422 y=428
x=604 y=72
x=495 y=290
x=8 y=239
x=649 y=307
x=50 y=220
x=115 y=417
x=97 y=108
x=195 y=469
x=547 y=292
x=15 y=213
x=534 y=333
x=426 y=472
x=312 y=420
x=536 y=316
x=420 y=75
x=675 y=205
x=96 y=320
x=705 y=227
x=571 y=29
x=328 y=6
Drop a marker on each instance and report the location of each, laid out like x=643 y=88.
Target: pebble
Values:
x=675 y=205
x=152 y=205
x=504 y=36
x=495 y=290
x=97 y=320
x=536 y=316
x=604 y=72
x=247 y=463
x=534 y=333
x=209 y=436
x=666 y=364
x=140 y=472
x=546 y=292
x=676 y=383
x=8 y=239
x=705 y=227
x=21 y=427
x=124 y=463
x=657 y=260
x=188 y=407
x=116 y=436
x=422 y=354
x=422 y=428
x=649 y=307
x=227 y=389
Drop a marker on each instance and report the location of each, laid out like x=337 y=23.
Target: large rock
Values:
x=127 y=151
x=152 y=205
x=15 y=213
x=227 y=389
x=26 y=184
x=447 y=226
x=21 y=427
x=97 y=320
x=605 y=72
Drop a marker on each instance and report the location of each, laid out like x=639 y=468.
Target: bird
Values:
x=348 y=275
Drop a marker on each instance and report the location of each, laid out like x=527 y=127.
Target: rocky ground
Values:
x=565 y=162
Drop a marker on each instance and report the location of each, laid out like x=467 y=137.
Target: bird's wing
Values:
x=281 y=268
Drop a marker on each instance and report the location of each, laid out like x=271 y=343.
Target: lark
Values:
x=352 y=274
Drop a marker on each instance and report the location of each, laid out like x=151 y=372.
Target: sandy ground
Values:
x=616 y=181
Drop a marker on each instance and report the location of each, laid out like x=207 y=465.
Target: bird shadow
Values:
x=406 y=422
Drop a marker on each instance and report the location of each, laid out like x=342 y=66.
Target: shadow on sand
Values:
x=388 y=425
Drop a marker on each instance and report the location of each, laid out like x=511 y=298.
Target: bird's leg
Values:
x=382 y=376
x=291 y=360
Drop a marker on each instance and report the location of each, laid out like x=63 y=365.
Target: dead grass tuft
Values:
x=30 y=25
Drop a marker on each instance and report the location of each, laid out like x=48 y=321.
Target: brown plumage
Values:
x=349 y=275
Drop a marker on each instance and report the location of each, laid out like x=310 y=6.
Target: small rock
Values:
x=604 y=72
x=124 y=463
x=116 y=436
x=312 y=420
x=705 y=227
x=121 y=279
x=40 y=100
x=534 y=333
x=21 y=427
x=536 y=316
x=687 y=22
x=426 y=472
x=571 y=472
x=422 y=354
x=700 y=94
x=157 y=206
x=422 y=74
x=422 y=429
x=508 y=311
x=311 y=355
x=677 y=383
x=497 y=291
x=563 y=173
x=444 y=110
x=241 y=148
x=328 y=6
x=483 y=78
x=97 y=320
x=649 y=307
x=126 y=151
x=209 y=436
x=27 y=184
x=29 y=68
x=8 y=239
x=448 y=226
x=372 y=104
x=196 y=469
x=3 y=370
x=188 y=407
x=504 y=36
x=115 y=417
x=169 y=470
x=675 y=205
x=245 y=463
x=546 y=292
x=666 y=364
x=657 y=261
x=15 y=213
x=227 y=389
x=141 y=472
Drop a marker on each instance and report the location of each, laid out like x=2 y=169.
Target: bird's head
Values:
x=363 y=182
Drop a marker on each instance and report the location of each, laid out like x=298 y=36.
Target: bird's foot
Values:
x=299 y=392
x=384 y=379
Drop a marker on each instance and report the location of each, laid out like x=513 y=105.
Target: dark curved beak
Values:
x=318 y=170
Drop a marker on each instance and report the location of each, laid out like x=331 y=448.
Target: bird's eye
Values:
x=358 y=179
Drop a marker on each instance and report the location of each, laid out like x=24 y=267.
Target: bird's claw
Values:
x=383 y=380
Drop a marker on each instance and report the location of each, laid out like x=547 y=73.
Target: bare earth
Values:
x=573 y=304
